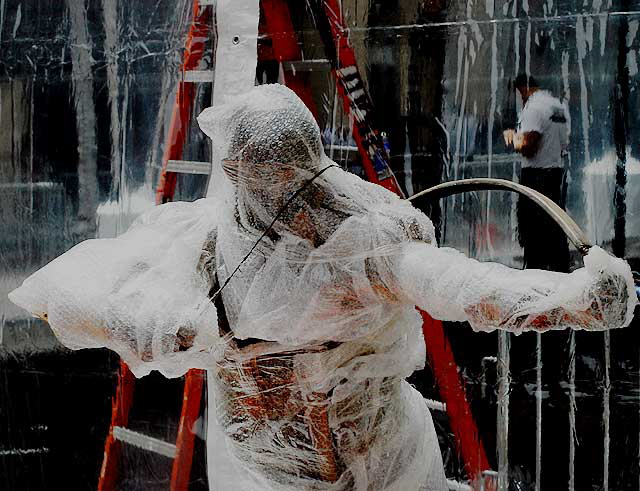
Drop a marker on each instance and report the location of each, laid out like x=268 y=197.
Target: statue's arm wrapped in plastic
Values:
x=138 y=295
x=491 y=296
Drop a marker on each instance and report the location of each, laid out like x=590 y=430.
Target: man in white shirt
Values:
x=541 y=138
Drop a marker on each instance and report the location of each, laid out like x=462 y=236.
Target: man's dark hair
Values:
x=524 y=80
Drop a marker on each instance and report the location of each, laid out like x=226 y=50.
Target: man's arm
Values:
x=450 y=286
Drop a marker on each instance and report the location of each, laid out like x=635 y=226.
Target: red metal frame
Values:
x=452 y=393
x=275 y=14
x=119 y=417
x=181 y=115
x=185 y=441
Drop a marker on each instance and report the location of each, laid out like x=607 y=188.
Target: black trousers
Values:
x=544 y=243
x=545 y=247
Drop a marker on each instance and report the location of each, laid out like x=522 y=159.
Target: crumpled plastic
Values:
x=296 y=285
x=137 y=294
x=492 y=296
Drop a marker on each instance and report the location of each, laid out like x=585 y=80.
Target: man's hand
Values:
x=508 y=137
x=514 y=139
x=525 y=143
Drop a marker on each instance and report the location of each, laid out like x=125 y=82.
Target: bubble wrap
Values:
x=138 y=294
x=315 y=330
x=491 y=296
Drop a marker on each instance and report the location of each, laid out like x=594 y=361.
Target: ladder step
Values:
x=436 y=405
x=22 y=451
x=307 y=65
x=189 y=167
x=144 y=442
x=198 y=76
x=340 y=148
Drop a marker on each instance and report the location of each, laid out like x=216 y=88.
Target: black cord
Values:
x=264 y=234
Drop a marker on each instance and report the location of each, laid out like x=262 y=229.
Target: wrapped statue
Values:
x=295 y=285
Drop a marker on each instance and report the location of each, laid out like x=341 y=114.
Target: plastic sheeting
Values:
x=136 y=294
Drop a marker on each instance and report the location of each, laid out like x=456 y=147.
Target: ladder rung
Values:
x=144 y=442
x=306 y=65
x=198 y=76
x=189 y=167
x=437 y=405
x=22 y=451
x=341 y=148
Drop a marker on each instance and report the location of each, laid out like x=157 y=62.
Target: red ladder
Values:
x=182 y=451
x=375 y=160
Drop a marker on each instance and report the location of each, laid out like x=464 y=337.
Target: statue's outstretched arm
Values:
x=451 y=286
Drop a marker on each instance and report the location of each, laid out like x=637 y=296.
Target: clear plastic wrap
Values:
x=138 y=295
x=491 y=296
x=314 y=274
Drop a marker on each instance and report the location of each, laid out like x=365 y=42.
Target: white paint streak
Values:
x=110 y=16
x=408 y=163
x=606 y=413
x=333 y=121
x=16 y=25
x=632 y=55
x=491 y=122
x=603 y=21
x=461 y=91
x=1 y=18
x=82 y=78
x=588 y=32
x=490 y=6
x=581 y=48
x=461 y=120
x=538 y=411
x=572 y=411
x=462 y=41
x=22 y=451
x=516 y=48
x=633 y=32
x=527 y=52
x=504 y=382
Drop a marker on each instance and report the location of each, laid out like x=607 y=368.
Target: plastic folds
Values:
x=138 y=295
